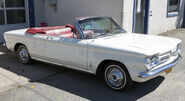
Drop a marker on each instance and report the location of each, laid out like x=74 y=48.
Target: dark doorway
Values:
x=141 y=16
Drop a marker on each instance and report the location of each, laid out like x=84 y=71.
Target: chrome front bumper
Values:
x=156 y=72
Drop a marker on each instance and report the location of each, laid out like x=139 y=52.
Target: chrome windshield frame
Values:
x=78 y=27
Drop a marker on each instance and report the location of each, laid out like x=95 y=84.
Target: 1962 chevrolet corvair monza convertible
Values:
x=98 y=45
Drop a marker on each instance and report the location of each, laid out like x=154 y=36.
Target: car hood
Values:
x=144 y=44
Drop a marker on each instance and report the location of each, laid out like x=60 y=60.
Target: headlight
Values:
x=151 y=62
x=177 y=50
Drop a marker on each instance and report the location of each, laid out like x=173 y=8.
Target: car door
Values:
x=67 y=51
x=37 y=45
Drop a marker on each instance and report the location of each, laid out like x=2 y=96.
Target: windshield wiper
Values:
x=104 y=34
x=118 y=31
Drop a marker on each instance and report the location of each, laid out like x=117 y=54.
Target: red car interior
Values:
x=63 y=31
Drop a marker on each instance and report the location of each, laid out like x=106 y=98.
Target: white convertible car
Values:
x=98 y=45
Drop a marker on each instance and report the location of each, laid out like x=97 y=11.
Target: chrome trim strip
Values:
x=65 y=66
x=162 y=69
x=77 y=25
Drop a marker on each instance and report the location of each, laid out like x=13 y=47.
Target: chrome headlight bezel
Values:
x=151 y=62
x=177 y=50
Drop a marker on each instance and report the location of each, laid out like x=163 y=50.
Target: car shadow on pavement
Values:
x=35 y=72
x=75 y=82
x=94 y=88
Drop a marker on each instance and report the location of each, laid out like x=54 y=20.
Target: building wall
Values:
x=122 y=10
x=159 y=22
x=39 y=12
x=128 y=8
x=68 y=10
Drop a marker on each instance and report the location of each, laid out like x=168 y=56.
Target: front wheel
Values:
x=117 y=76
x=23 y=55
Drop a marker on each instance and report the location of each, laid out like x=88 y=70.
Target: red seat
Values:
x=63 y=31
x=68 y=35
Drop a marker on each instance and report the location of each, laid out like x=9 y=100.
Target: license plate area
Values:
x=168 y=70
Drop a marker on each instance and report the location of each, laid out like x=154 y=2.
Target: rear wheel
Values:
x=23 y=55
x=117 y=76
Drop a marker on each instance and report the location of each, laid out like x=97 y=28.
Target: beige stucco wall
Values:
x=159 y=22
x=128 y=8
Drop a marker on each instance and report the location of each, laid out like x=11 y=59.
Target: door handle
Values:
x=50 y=38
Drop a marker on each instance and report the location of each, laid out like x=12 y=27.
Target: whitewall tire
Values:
x=116 y=76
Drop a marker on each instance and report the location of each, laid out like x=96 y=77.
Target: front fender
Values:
x=133 y=62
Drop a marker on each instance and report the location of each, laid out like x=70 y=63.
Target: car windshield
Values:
x=100 y=27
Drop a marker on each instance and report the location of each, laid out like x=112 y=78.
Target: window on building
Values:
x=12 y=12
x=15 y=16
x=2 y=20
x=15 y=3
x=173 y=7
x=1 y=4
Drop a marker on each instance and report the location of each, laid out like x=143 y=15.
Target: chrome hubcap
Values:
x=23 y=54
x=115 y=76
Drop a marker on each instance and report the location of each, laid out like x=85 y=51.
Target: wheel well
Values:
x=17 y=46
x=102 y=65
